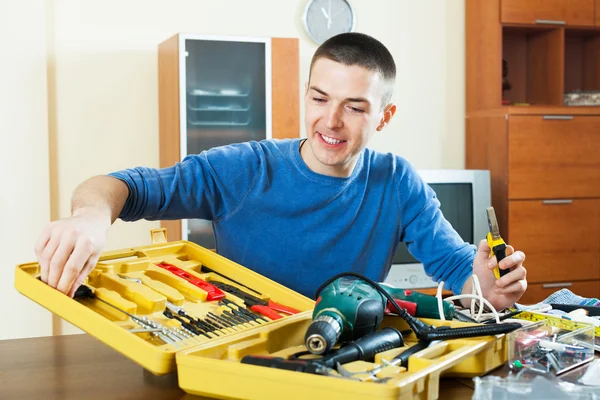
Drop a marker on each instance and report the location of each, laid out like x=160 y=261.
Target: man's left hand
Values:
x=507 y=290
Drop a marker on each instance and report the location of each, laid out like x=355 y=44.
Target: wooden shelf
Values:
x=534 y=56
x=551 y=110
x=582 y=60
x=544 y=171
x=535 y=110
x=567 y=12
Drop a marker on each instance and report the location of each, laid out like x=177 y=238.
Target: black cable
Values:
x=423 y=331
x=464 y=317
x=471 y=331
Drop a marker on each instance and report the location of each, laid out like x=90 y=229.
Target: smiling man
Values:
x=296 y=211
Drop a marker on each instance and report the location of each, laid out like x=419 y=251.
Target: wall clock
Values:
x=326 y=18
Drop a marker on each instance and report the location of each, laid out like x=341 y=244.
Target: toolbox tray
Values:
x=210 y=366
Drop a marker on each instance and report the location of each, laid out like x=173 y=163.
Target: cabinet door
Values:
x=560 y=239
x=553 y=157
x=217 y=91
x=550 y=12
x=538 y=292
x=227 y=101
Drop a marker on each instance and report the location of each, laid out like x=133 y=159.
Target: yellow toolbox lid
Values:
x=150 y=285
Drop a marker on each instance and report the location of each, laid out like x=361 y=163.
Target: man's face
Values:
x=342 y=111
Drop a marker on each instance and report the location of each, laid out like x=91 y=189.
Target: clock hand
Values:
x=325 y=13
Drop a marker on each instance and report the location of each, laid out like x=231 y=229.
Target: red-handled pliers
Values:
x=268 y=308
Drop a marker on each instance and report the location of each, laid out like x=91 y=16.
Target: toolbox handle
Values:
x=158 y=235
x=555 y=285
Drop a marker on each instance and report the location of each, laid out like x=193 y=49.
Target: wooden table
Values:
x=81 y=367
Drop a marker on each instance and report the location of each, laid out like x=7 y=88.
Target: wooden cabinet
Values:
x=522 y=57
x=546 y=192
x=559 y=238
x=215 y=91
x=548 y=12
x=553 y=156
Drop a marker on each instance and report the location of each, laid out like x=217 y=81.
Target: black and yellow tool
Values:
x=496 y=242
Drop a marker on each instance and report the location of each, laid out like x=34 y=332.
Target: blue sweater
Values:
x=274 y=215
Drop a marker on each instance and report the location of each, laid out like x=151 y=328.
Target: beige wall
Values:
x=102 y=92
x=25 y=201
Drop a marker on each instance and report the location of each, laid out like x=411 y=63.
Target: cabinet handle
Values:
x=558 y=117
x=555 y=285
x=549 y=22
x=562 y=201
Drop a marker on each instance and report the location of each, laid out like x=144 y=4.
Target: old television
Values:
x=464 y=196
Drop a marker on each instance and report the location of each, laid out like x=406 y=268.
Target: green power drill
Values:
x=349 y=308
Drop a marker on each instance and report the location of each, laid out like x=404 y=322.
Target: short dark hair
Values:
x=363 y=50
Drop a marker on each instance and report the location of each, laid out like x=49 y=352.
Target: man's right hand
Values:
x=69 y=249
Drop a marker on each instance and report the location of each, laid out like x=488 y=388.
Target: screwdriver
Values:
x=84 y=291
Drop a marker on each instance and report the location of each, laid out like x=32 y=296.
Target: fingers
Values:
x=483 y=253
x=87 y=268
x=39 y=248
x=60 y=257
x=511 y=282
x=44 y=250
x=515 y=287
x=513 y=259
x=75 y=264
x=484 y=248
x=47 y=256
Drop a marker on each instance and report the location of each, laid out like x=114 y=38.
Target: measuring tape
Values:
x=555 y=320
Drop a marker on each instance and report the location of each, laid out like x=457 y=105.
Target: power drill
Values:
x=349 y=308
x=364 y=349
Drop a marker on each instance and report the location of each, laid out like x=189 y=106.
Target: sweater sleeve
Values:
x=209 y=185
x=429 y=237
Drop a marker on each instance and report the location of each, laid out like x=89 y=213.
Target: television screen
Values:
x=456 y=201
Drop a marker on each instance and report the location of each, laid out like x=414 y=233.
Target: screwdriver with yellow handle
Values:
x=496 y=242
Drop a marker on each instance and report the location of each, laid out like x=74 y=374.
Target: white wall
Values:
x=102 y=88
x=25 y=201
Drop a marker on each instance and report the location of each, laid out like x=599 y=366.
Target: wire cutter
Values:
x=496 y=242
x=268 y=308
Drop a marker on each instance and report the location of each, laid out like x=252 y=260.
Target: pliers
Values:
x=496 y=242
x=268 y=308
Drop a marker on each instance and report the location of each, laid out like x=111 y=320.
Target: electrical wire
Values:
x=477 y=295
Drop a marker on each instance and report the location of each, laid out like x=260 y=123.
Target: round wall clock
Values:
x=326 y=18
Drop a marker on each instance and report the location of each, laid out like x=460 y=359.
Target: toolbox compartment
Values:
x=209 y=364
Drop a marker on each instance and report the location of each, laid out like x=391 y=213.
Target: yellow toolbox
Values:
x=138 y=292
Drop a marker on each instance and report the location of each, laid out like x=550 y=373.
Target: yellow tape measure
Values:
x=555 y=320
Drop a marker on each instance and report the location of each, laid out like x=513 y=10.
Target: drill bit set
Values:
x=170 y=305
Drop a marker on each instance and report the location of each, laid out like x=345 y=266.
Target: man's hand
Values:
x=68 y=249
x=507 y=290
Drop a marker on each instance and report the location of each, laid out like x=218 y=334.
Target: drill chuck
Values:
x=322 y=334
